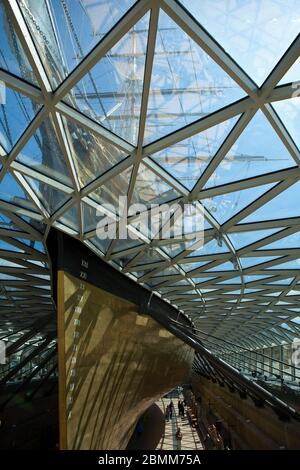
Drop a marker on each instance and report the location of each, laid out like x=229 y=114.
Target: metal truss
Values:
x=257 y=310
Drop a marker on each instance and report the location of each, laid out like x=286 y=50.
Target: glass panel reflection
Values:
x=284 y=205
x=151 y=189
x=258 y=150
x=109 y=193
x=70 y=219
x=12 y=55
x=51 y=198
x=186 y=83
x=241 y=239
x=11 y=191
x=187 y=160
x=65 y=31
x=44 y=153
x=111 y=92
x=255 y=33
x=16 y=113
x=226 y=206
x=289 y=112
x=92 y=155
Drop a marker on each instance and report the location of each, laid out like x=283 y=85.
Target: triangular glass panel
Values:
x=111 y=93
x=51 y=198
x=79 y=26
x=6 y=222
x=153 y=282
x=145 y=268
x=125 y=244
x=285 y=326
x=189 y=222
x=173 y=249
x=186 y=83
x=258 y=150
x=43 y=153
x=273 y=294
x=70 y=219
x=187 y=160
x=12 y=55
x=163 y=290
x=8 y=277
x=12 y=192
x=110 y=192
x=91 y=219
x=151 y=189
x=148 y=257
x=227 y=205
x=285 y=205
x=39 y=246
x=269 y=29
x=251 y=291
x=255 y=277
x=199 y=279
x=36 y=224
x=167 y=272
x=292 y=75
x=138 y=274
x=294 y=264
x=187 y=267
x=16 y=113
x=4 y=245
x=33 y=244
x=143 y=228
x=92 y=155
x=241 y=239
x=283 y=282
x=235 y=292
x=211 y=248
x=223 y=267
x=187 y=293
x=182 y=282
x=292 y=241
x=289 y=113
x=234 y=280
x=100 y=244
x=247 y=262
x=296 y=320
x=7 y=263
x=125 y=259
x=293 y=292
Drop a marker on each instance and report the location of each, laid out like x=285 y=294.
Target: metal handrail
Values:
x=242 y=347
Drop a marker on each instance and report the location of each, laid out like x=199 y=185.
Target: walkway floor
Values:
x=190 y=438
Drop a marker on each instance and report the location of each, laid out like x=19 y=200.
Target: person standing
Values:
x=178 y=438
x=179 y=407
x=171 y=407
x=167 y=413
x=181 y=412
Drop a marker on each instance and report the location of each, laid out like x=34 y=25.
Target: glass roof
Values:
x=160 y=102
x=262 y=30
